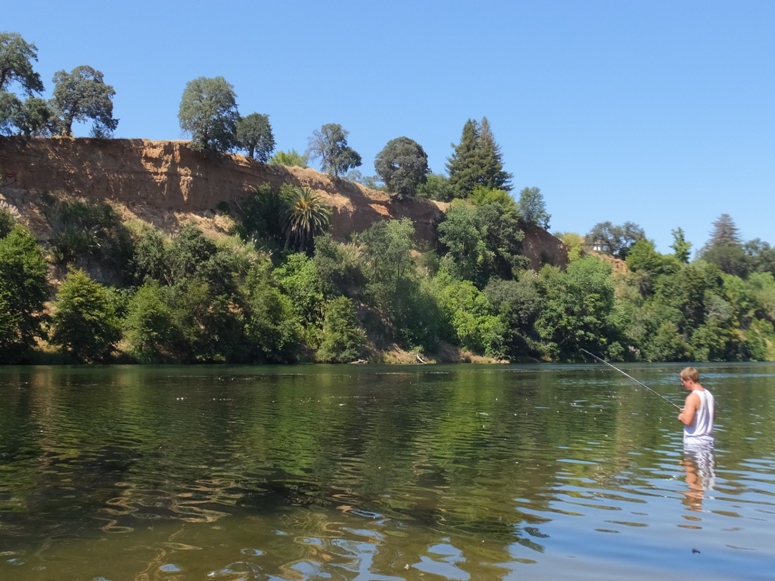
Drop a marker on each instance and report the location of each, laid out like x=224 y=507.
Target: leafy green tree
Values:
x=338 y=268
x=254 y=134
x=477 y=160
x=461 y=233
x=482 y=241
x=402 y=165
x=23 y=290
x=84 y=322
x=329 y=144
x=149 y=327
x=27 y=118
x=342 y=340
x=151 y=258
x=298 y=280
x=482 y=196
x=16 y=56
x=518 y=303
x=307 y=216
x=289 y=158
x=760 y=256
x=680 y=245
x=436 y=187
x=616 y=240
x=271 y=329
x=208 y=323
x=574 y=243
x=532 y=207
x=577 y=306
x=33 y=117
x=80 y=95
x=8 y=218
x=393 y=288
x=472 y=318
x=208 y=112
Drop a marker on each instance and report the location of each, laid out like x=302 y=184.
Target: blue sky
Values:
x=657 y=112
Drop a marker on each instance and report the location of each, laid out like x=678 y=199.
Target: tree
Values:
x=16 y=56
x=724 y=249
x=289 y=158
x=724 y=232
x=84 y=322
x=462 y=164
x=435 y=187
x=329 y=144
x=616 y=240
x=493 y=175
x=532 y=208
x=80 y=95
x=402 y=165
x=149 y=327
x=307 y=216
x=208 y=112
x=680 y=245
x=32 y=114
x=254 y=133
x=477 y=160
x=577 y=307
x=23 y=291
x=343 y=341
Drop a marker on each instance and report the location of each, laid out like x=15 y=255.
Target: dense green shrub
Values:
x=148 y=327
x=23 y=290
x=84 y=323
x=342 y=340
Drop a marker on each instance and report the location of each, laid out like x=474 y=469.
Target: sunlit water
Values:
x=381 y=473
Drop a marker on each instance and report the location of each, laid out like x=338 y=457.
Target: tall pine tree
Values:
x=477 y=161
x=493 y=175
x=462 y=166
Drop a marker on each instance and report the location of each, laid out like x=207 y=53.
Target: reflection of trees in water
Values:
x=426 y=466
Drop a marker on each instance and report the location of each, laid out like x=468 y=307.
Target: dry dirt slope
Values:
x=165 y=183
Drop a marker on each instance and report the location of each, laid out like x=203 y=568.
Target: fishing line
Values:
x=631 y=377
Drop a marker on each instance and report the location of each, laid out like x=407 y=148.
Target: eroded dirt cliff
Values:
x=166 y=183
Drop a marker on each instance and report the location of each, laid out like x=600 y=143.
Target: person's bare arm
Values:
x=691 y=406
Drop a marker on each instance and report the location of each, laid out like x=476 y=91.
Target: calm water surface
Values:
x=381 y=473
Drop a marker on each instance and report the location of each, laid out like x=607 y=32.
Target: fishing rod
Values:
x=631 y=377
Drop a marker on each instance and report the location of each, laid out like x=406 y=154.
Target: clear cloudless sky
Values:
x=660 y=112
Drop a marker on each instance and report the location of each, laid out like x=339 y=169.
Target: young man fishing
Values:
x=698 y=411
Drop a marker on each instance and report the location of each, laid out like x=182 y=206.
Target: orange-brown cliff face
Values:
x=168 y=177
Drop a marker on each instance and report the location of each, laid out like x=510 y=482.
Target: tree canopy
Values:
x=402 y=165
x=16 y=56
x=288 y=158
x=477 y=161
x=254 y=134
x=532 y=208
x=616 y=240
x=80 y=95
x=329 y=144
x=208 y=112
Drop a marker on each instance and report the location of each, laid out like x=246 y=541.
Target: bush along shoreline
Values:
x=278 y=289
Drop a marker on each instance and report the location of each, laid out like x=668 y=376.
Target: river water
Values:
x=381 y=473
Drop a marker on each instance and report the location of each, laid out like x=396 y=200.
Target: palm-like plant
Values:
x=307 y=216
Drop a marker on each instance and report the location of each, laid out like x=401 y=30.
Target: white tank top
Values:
x=702 y=426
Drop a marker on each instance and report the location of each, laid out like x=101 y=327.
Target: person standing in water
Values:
x=698 y=411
